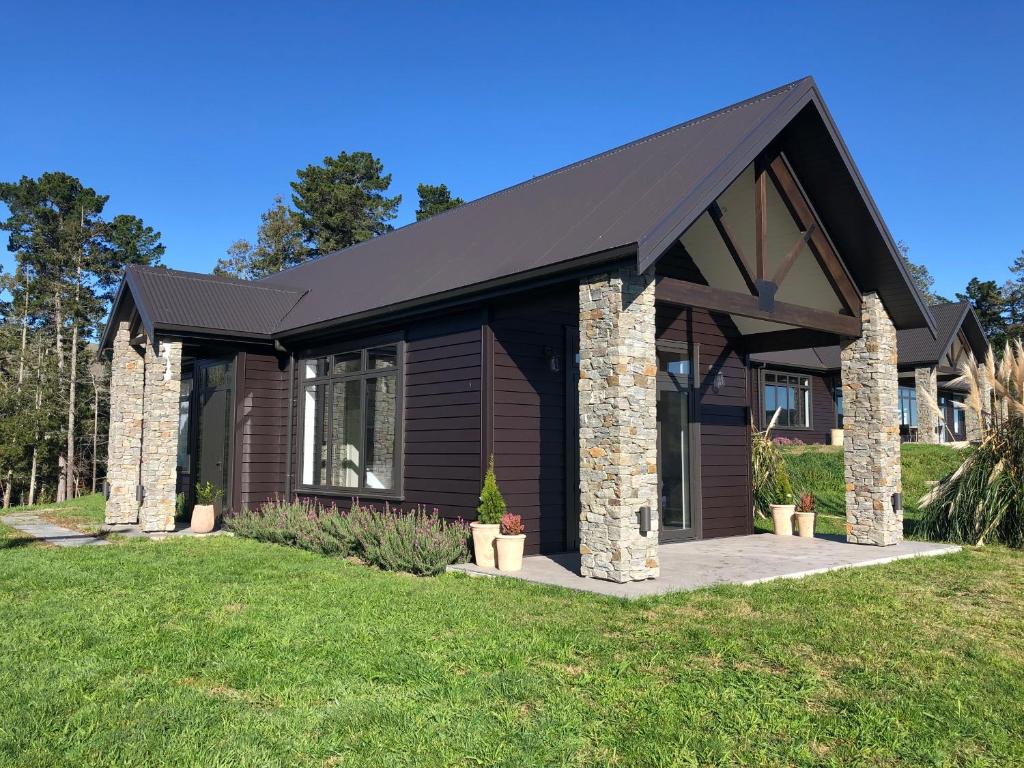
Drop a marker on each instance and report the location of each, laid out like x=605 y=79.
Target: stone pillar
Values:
x=618 y=425
x=871 y=420
x=160 y=436
x=124 y=441
x=929 y=420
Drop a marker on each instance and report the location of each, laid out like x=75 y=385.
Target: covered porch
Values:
x=742 y=560
x=778 y=257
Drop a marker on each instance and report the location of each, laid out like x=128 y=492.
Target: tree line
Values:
x=339 y=203
x=69 y=258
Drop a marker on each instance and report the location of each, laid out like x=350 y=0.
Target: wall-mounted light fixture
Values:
x=718 y=383
x=644 y=519
x=554 y=359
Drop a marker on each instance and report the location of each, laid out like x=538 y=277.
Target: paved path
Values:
x=37 y=527
x=731 y=560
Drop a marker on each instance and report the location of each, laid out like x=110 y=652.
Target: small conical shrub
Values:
x=492 y=503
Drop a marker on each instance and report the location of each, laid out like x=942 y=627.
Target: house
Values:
x=591 y=328
x=805 y=385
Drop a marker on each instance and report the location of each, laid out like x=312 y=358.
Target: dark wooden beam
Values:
x=778 y=341
x=760 y=217
x=683 y=293
x=732 y=246
x=792 y=194
x=787 y=263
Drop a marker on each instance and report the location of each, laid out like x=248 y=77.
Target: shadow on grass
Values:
x=13 y=543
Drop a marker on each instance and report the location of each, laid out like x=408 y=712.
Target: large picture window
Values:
x=350 y=420
x=790 y=394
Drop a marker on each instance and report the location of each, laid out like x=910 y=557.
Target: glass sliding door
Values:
x=675 y=451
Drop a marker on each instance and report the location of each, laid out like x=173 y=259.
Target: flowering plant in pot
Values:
x=488 y=519
x=510 y=543
x=204 y=513
x=805 y=515
x=783 y=508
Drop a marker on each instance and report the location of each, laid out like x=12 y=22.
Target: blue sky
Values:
x=194 y=115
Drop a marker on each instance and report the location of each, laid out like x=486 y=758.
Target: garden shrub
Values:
x=415 y=542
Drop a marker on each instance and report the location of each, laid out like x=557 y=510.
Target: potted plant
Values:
x=204 y=513
x=488 y=519
x=783 y=508
x=510 y=543
x=805 y=516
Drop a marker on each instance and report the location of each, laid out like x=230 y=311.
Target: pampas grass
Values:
x=983 y=501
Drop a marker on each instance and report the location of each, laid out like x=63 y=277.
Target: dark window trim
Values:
x=809 y=406
x=666 y=382
x=900 y=388
x=395 y=493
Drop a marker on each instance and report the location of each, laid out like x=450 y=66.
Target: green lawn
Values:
x=227 y=652
x=82 y=514
x=818 y=469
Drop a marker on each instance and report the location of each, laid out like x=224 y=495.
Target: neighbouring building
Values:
x=591 y=328
x=805 y=385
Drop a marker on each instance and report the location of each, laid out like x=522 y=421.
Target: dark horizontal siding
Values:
x=261 y=442
x=529 y=429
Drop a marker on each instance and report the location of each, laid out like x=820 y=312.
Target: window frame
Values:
x=363 y=346
x=910 y=398
x=808 y=403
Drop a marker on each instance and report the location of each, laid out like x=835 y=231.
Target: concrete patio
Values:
x=735 y=560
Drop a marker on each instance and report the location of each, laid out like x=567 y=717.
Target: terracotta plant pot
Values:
x=510 y=551
x=203 y=518
x=805 y=524
x=484 y=535
x=782 y=518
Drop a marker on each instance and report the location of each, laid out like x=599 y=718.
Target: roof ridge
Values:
x=219 y=279
x=577 y=164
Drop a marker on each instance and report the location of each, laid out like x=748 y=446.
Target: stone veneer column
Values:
x=618 y=425
x=124 y=440
x=872 y=433
x=160 y=436
x=926 y=380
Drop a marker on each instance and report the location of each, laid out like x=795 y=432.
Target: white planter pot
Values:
x=837 y=437
x=203 y=518
x=484 y=535
x=782 y=518
x=805 y=524
x=510 y=551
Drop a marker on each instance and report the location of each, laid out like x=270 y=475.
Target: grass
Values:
x=818 y=469
x=84 y=513
x=228 y=652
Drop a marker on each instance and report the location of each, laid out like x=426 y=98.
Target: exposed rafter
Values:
x=792 y=194
x=790 y=260
x=732 y=245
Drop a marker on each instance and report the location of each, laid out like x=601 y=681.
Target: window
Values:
x=790 y=394
x=908 y=407
x=350 y=420
x=837 y=395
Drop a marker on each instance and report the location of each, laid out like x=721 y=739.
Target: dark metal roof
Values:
x=637 y=198
x=629 y=202
x=171 y=300
x=917 y=346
